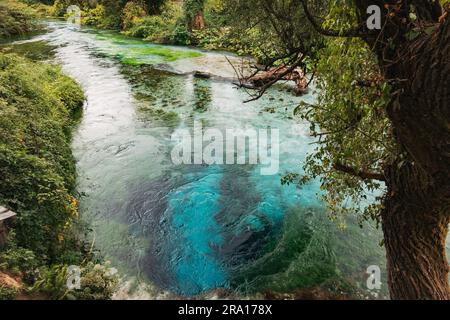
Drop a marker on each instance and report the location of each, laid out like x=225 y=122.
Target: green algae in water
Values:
x=297 y=259
x=137 y=52
x=311 y=251
x=116 y=38
x=35 y=50
x=130 y=61
x=202 y=95
x=170 y=118
x=167 y=53
x=145 y=55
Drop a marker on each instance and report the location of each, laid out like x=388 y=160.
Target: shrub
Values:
x=214 y=13
x=94 y=17
x=18 y=260
x=15 y=19
x=7 y=293
x=59 y=8
x=131 y=14
x=180 y=35
x=157 y=28
x=97 y=282
x=152 y=28
x=37 y=170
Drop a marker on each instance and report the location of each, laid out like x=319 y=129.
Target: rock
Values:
x=202 y=75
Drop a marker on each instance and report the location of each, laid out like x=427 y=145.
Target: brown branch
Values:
x=365 y=175
x=279 y=77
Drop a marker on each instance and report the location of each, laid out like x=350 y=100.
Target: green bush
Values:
x=152 y=28
x=7 y=293
x=94 y=17
x=97 y=282
x=215 y=14
x=18 y=260
x=180 y=35
x=15 y=19
x=59 y=8
x=37 y=171
x=157 y=28
x=131 y=14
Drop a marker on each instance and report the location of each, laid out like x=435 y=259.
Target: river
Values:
x=191 y=229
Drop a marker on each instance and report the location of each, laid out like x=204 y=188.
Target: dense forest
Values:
x=380 y=120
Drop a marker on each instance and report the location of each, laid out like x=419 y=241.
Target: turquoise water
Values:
x=189 y=229
x=193 y=207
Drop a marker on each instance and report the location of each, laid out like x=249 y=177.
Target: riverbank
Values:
x=18 y=18
x=39 y=107
x=170 y=24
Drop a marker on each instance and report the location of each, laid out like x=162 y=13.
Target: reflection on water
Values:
x=190 y=229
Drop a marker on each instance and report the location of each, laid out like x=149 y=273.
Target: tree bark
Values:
x=416 y=210
x=198 y=22
x=415 y=233
x=417 y=205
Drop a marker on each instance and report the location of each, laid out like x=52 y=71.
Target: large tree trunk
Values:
x=417 y=206
x=416 y=210
x=198 y=22
x=416 y=261
x=415 y=233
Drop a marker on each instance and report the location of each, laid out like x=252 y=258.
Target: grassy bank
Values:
x=39 y=106
x=18 y=18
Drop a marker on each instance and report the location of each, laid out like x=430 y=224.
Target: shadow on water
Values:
x=310 y=251
x=36 y=50
x=202 y=94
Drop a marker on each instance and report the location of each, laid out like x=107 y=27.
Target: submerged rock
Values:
x=202 y=75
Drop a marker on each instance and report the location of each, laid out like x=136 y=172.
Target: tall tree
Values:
x=388 y=126
x=194 y=14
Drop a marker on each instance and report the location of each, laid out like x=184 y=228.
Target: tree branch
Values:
x=351 y=33
x=359 y=173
